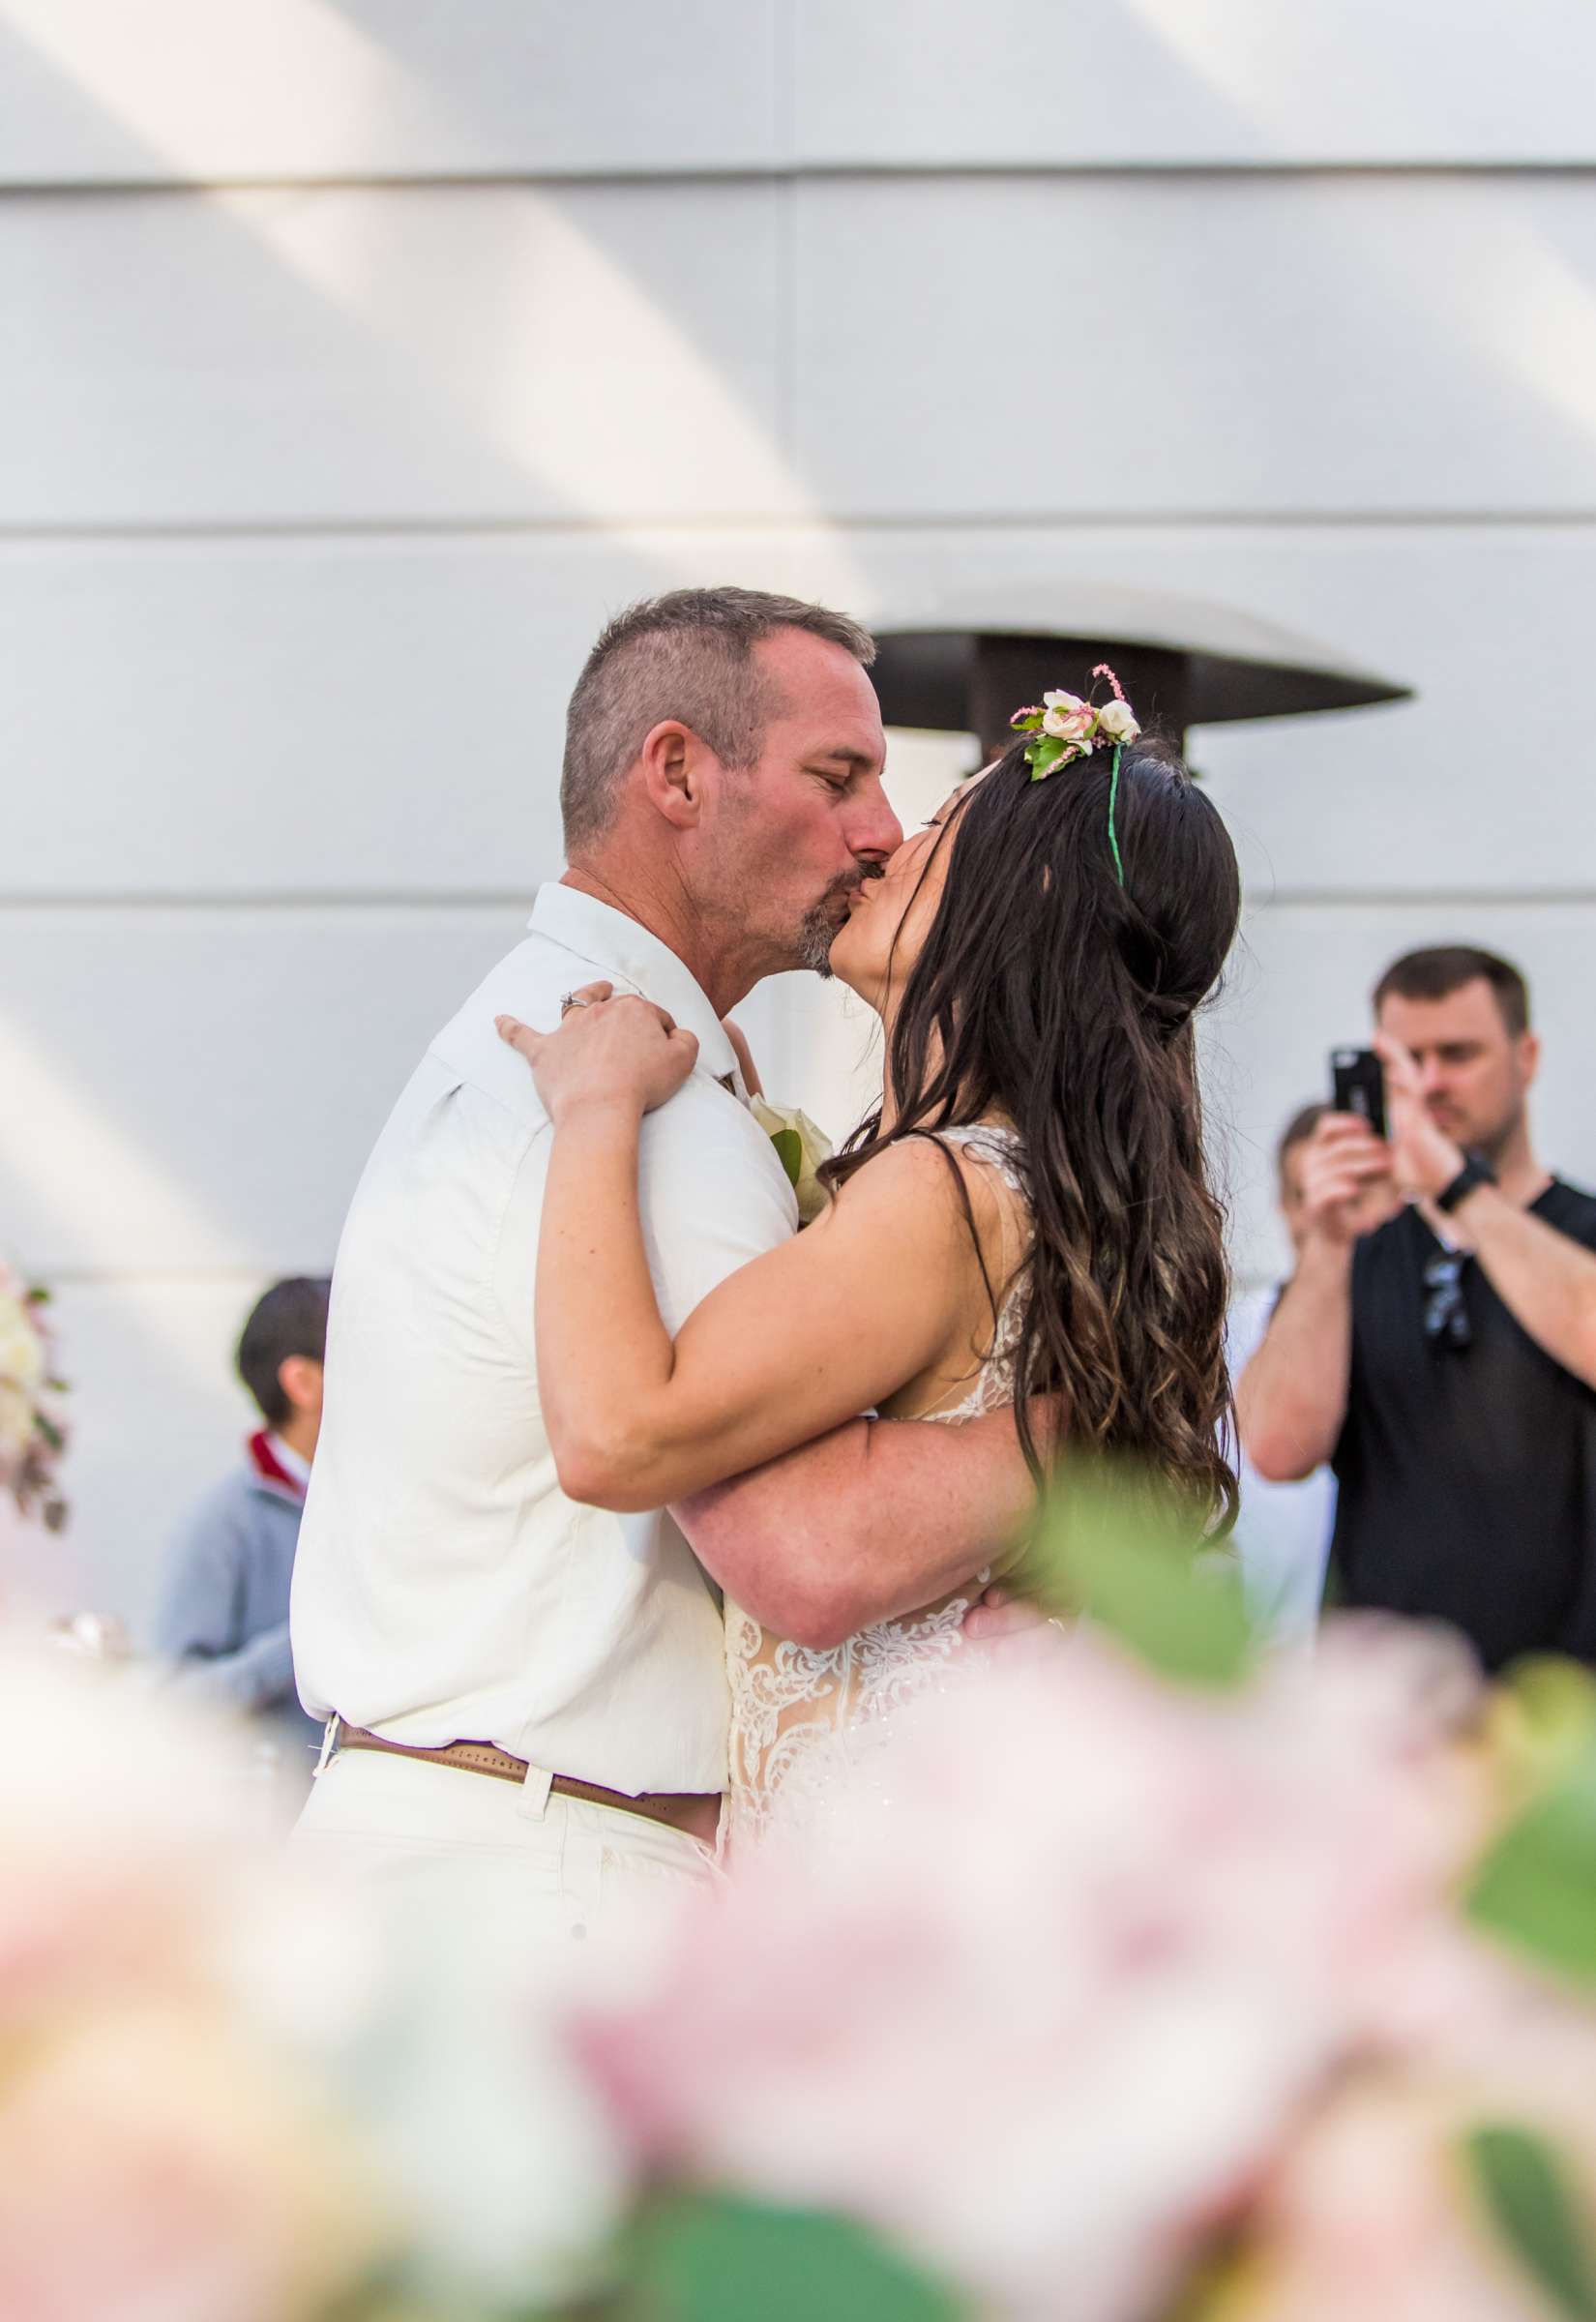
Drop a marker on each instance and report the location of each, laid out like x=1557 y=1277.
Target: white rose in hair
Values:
x=1067 y=717
x=1117 y=722
x=800 y=1148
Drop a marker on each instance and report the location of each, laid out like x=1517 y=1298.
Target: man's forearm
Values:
x=1546 y=1281
x=874 y=1520
x=1291 y=1398
x=256 y=1676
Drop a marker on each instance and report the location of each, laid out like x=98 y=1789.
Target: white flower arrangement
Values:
x=800 y=1148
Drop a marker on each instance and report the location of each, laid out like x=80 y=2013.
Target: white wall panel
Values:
x=288 y=716
x=380 y=717
x=1074 y=345
x=142 y=90
x=1125 y=85
x=1300 y=985
x=99 y=90
x=338 y=355
x=196 y=1092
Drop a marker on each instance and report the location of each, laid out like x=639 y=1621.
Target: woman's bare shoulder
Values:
x=930 y=1175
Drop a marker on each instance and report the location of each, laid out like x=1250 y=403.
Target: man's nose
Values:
x=876 y=833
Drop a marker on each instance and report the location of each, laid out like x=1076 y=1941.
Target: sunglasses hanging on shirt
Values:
x=1446 y=1316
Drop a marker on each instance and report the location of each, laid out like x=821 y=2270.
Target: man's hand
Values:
x=1348 y=1187
x=1423 y=1158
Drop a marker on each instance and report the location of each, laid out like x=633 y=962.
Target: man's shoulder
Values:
x=1570 y=1209
x=236 y=1506
x=528 y=982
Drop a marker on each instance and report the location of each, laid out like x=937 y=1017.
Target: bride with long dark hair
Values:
x=1026 y=1215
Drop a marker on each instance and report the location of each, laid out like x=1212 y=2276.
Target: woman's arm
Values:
x=786 y=1348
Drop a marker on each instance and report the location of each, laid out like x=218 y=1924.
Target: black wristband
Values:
x=1472 y=1172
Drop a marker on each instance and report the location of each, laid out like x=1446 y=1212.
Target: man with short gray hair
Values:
x=457 y=1616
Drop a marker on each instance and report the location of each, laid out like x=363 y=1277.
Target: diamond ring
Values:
x=571 y=999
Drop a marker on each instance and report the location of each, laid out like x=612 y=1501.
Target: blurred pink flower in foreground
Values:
x=1371 y=2208
x=229 y=2087
x=153 y=2168
x=1041 y=1997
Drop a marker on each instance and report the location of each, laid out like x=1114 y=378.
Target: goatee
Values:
x=820 y=927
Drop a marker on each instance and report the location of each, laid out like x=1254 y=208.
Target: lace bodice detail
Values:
x=801 y=1717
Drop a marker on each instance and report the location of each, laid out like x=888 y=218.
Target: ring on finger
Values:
x=573 y=999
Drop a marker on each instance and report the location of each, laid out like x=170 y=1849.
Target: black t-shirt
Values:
x=1467 y=1474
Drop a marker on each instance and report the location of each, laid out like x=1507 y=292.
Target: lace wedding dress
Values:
x=804 y=1720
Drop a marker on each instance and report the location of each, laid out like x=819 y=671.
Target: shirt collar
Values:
x=623 y=951
x=275 y=1464
x=294 y=1464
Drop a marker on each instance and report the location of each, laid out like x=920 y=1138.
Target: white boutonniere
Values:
x=800 y=1148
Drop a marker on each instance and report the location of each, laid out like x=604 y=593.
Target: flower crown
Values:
x=1067 y=728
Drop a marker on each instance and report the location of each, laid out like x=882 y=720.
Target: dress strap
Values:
x=991 y=1140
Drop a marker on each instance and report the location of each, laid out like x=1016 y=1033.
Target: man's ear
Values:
x=1528 y=1045
x=299 y=1376
x=674 y=763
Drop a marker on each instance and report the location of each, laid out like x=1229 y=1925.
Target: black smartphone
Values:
x=1357 y=1080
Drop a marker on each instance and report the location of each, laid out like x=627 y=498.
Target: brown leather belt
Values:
x=696 y=1813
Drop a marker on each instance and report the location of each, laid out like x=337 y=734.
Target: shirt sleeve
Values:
x=713 y=1196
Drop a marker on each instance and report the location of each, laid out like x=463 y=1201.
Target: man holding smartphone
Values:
x=1437 y=1341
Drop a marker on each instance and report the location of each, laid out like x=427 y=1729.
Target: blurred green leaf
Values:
x=1535 y=1888
x=1526 y=2192
x=712 y=2258
x=1105 y=1547
x=790 y=1151
x=1547 y=1706
x=51 y=1432
x=1043 y=756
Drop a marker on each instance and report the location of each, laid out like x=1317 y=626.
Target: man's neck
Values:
x=300 y=1432
x=667 y=915
x=1519 y=1176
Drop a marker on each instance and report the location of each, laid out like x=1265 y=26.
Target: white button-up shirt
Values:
x=445 y=1587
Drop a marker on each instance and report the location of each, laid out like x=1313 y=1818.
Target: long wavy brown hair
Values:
x=1047 y=995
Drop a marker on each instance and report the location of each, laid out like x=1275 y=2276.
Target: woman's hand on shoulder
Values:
x=623 y=1052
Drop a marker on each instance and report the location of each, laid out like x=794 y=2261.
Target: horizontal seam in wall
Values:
x=1410 y=898
x=823 y=173
x=777 y=522
x=484 y=900
x=113 y=1277
x=281 y=899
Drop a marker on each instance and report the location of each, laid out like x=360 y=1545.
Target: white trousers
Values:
x=558 y=1865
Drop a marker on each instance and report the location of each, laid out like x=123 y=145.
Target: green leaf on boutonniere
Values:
x=51 y=1432
x=1524 y=2188
x=1044 y=756
x=790 y=1151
